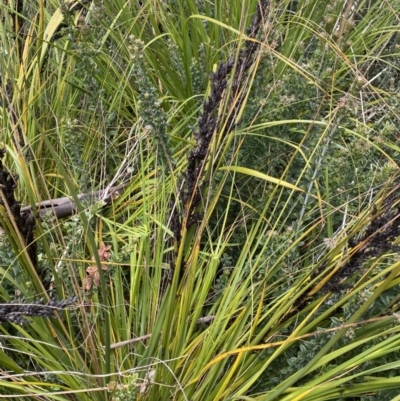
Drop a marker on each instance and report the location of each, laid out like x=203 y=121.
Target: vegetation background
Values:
x=253 y=253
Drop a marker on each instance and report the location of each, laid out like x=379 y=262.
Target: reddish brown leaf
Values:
x=93 y=276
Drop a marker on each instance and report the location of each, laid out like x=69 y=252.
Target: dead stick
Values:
x=65 y=207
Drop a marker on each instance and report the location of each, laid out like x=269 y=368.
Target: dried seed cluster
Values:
x=14 y=312
x=378 y=238
x=25 y=220
x=210 y=122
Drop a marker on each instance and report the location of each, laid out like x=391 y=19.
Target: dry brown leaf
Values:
x=103 y=252
x=87 y=283
x=93 y=276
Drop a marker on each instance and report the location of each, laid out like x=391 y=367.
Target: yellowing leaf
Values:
x=261 y=176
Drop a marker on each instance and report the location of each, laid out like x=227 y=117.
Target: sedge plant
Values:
x=253 y=253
